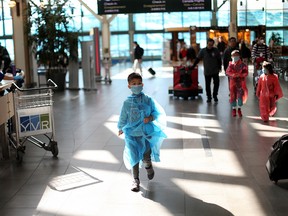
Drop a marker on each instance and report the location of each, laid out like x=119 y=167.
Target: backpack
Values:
x=141 y=51
x=278 y=160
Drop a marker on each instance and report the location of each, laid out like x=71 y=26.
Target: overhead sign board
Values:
x=151 y=6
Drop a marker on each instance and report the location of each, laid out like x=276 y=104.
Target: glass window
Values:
x=274 y=18
x=285 y=18
x=205 y=19
x=269 y=34
x=190 y=19
x=152 y=43
x=119 y=45
x=223 y=18
x=201 y=38
x=172 y=20
x=255 y=18
x=285 y=37
x=185 y=36
x=8 y=26
x=150 y=21
x=119 y=23
x=89 y=22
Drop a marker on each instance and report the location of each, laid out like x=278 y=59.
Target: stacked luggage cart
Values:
x=185 y=82
x=281 y=67
x=34 y=119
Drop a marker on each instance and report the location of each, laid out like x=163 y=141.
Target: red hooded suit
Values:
x=237 y=72
x=268 y=91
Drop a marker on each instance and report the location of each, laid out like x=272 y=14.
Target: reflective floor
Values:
x=211 y=163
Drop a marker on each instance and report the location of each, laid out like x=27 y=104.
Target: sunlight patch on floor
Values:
x=102 y=156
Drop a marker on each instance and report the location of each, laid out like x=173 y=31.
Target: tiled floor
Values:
x=211 y=163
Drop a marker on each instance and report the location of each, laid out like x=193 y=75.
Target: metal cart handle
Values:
x=49 y=81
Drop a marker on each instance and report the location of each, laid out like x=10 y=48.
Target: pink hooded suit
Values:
x=237 y=72
x=268 y=91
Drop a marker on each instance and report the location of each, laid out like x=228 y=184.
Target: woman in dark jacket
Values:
x=245 y=53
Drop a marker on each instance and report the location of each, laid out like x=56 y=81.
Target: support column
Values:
x=214 y=21
x=105 y=34
x=21 y=50
x=233 y=19
x=131 y=36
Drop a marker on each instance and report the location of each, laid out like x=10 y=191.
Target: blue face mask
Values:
x=265 y=71
x=136 y=89
x=235 y=58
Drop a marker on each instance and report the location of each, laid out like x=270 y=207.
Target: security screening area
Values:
x=61 y=152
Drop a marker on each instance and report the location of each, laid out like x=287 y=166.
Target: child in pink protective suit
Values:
x=237 y=72
x=268 y=91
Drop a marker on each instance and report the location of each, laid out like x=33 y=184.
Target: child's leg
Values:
x=136 y=182
x=148 y=164
x=233 y=105
x=240 y=104
x=135 y=171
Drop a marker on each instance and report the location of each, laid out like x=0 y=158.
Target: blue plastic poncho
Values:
x=138 y=135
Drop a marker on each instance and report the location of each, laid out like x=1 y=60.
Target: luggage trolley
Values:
x=185 y=82
x=34 y=120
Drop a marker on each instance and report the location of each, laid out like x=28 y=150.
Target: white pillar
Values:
x=21 y=50
x=105 y=34
x=233 y=19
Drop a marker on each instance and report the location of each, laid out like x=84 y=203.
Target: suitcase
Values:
x=277 y=164
x=152 y=72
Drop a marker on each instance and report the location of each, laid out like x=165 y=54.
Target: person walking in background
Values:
x=142 y=120
x=107 y=65
x=245 y=52
x=221 y=46
x=138 y=54
x=232 y=45
x=259 y=54
x=191 y=55
x=212 y=66
x=268 y=91
x=237 y=72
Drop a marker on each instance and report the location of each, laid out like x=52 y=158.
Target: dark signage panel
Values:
x=150 y=6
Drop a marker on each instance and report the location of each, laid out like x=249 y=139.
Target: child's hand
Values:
x=148 y=119
x=120 y=132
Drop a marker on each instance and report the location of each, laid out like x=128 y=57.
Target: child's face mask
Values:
x=136 y=89
x=265 y=71
x=235 y=58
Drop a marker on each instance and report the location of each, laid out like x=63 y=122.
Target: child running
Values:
x=268 y=91
x=237 y=72
x=142 y=120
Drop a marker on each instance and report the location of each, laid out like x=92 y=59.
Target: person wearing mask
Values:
x=232 y=45
x=142 y=120
x=268 y=91
x=237 y=72
x=212 y=66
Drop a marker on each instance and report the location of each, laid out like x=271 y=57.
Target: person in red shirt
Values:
x=237 y=72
